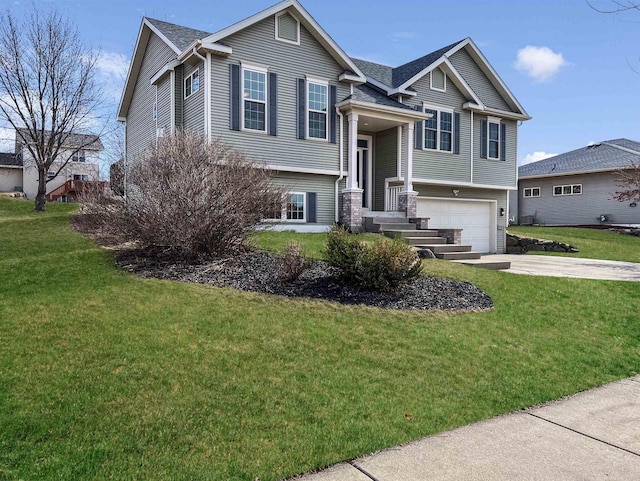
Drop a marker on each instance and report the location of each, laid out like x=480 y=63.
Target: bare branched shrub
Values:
x=293 y=262
x=193 y=198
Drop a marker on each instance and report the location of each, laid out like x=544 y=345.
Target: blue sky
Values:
x=574 y=79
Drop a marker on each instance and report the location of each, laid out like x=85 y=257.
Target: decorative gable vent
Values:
x=287 y=28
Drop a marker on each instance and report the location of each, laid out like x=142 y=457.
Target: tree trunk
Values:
x=41 y=196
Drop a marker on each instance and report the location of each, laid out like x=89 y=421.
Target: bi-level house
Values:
x=434 y=138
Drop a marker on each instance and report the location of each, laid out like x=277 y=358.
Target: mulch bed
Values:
x=259 y=272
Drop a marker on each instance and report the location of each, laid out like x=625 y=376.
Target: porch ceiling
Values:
x=376 y=124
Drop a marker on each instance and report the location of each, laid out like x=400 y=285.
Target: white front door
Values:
x=363 y=169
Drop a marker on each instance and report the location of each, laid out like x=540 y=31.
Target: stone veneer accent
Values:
x=352 y=209
x=407 y=203
x=453 y=236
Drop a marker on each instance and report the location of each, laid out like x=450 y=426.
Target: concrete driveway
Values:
x=556 y=266
x=593 y=435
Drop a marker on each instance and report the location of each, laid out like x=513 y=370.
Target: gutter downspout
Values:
x=341 y=144
x=207 y=74
x=472 y=147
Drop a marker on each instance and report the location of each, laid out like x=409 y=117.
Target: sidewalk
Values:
x=592 y=435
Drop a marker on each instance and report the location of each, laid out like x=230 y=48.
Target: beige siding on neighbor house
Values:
x=140 y=126
x=256 y=44
x=10 y=178
x=584 y=209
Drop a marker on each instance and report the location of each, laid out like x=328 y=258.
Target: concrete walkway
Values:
x=593 y=435
x=556 y=266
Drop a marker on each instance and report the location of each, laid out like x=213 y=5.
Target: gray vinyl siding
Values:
x=322 y=185
x=584 y=209
x=478 y=81
x=288 y=27
x=385 y=163
x=193 y=106
x=140 y=126
x=500 y=196
x=257 y=44
x=164 y=104
x=495 y=172
x=513 y=206
x=179 y=95
x=432 y=164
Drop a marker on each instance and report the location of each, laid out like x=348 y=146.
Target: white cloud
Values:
x=112 y=70
x=535 y=157
x=540 y=63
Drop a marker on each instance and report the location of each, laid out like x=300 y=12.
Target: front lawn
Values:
x=592 y=243
x=107 y=376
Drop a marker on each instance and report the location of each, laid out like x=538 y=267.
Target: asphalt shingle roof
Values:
x=180 y=36
x=10 y=160
x=394 y=77
x=370 y=94
x=605 y=155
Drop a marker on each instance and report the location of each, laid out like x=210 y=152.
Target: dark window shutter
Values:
x=418 y=132
x=234 y=103
x=483 y=139
x=312 y=207
x=333 y=99
x=302 y=109
x=273 y=104
x=456 y=133
x=503 y=141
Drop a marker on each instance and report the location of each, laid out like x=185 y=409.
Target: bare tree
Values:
x=47 y=89
x=628 y=181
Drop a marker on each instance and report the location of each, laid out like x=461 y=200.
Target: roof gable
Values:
x=404 y=74
x=177 y=36
x=609 y=155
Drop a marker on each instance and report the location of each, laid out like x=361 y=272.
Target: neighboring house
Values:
x=576 y=188
x=435 y=137
x=10 y=173
x=82 y=151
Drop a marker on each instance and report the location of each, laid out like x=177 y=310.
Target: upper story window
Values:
x=317 y=118
x=571 y=189
x=438 y=130
x=78 y=156
x=192 y=83
x=255 y=99
x=493 y=140
x=438 y=80
x=287 y=28
x=531 y=192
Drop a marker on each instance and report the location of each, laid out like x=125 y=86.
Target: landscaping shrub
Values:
x=293 y=262
x=383 y=265
x=191 y=198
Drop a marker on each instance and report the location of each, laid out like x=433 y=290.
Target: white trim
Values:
x=286 y=40
x=493 y=213
x=11 y=166
x=444 y=81
x=453 y=183
x=347 y=77
x=438 y=129
x=325 y=84
x=394 y=114
x=494 y=121
x=399 y=151
x=531 y=195
x=473 y=148
x=184 y=84
x=207 y=96
x=255 y=67
x=153 y=28
x=369 y=179
x=304 y=209
x=172 y=102
x=306 y=19
x=301 y=170
x=261 y=70
x=562 y=186
x=169 y=67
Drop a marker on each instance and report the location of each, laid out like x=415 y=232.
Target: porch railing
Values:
x=391 y=198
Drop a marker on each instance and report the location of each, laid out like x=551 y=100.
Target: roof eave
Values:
x=408 y=113
x=577 y=172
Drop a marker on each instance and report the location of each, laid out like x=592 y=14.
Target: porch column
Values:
x=407 y=198
x=351 y=216
x=352 y=180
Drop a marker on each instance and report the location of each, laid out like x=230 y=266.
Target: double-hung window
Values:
x=192 y=84
x=438 y=130
x=255 y=99
x=78 y=156
x=493 y=140
x=296 y=207
x=317 y=118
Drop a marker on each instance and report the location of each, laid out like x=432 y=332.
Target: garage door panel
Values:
x=474 y=218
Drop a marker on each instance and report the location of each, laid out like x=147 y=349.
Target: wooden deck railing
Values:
x=74 y=187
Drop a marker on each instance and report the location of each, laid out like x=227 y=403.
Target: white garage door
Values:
x=473 y=217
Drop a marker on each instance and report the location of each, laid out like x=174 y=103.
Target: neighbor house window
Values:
x=78 y=156
x=192 y=83
x=80 y=177
x=438 y=80
x=531 y=192
x=570 y=189
x=493 y=140
x=438 y=130
x=255 y=100
x=51 y=175
x=317 y=111
x=296 y=207
x=287 y=28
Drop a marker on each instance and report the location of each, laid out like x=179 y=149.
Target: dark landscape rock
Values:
x=521 y=245
x=259 y=272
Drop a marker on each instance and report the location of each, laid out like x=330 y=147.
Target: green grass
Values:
x=592 y=243
x=107 y=376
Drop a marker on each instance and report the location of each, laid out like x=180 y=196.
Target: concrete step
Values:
x=397 y=226
x=438 y=248
x=388 y=220
x=410 y=233
x=486 y=264
x=454 y=256
x=419 y=241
